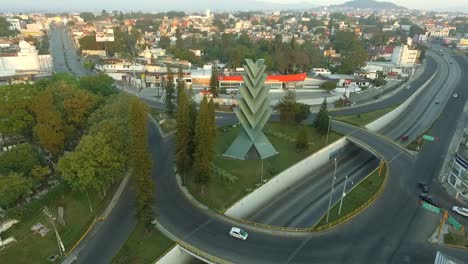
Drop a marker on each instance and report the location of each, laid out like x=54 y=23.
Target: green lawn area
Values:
x=32 y=248
x=366 y=118
x=168 y=125
x=456 y=239
x=414 y=144
x=143 y=247
x=220 y=193
x=357 y=197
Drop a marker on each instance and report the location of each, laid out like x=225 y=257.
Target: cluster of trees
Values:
x=50 y=117
x=102 y=134
x=354 y=54
x=281 y=57
x=195 y=139
x=5 y=28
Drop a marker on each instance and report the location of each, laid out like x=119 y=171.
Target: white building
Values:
x=15 y=23
x=403 y=55
x=24 y=63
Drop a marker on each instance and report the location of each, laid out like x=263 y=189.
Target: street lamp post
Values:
x=332 y=189
x=343 y=195
x=328 y=130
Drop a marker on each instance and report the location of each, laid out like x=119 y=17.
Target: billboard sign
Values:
x=105 y=35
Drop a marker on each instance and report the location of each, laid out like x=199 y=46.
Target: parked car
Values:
x=428 y=199
x=238 y=233
x=460 y=210
x=423 y=187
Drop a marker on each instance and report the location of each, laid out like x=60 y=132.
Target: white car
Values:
x=238 y=233
x=455 y=95
x=460 y=210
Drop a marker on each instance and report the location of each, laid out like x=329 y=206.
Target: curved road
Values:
x=392 y=230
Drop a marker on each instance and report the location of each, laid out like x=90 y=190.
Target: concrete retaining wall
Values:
x=389 y=117
x=175 y=255
x=250 y=203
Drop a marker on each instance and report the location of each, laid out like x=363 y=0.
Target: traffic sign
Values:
x=430 y=207
x=429 y=138
x=454 y=222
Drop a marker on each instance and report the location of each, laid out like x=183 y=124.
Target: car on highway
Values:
x=437 y=101
x=460 y=210
x=428 y=199
x=404 y=137
x=455 y=95
x=238 y=233
x=423 y=187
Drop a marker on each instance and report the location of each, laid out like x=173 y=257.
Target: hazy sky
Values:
x=164 y=5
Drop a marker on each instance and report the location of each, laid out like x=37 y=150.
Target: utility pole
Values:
x=343 y=194
x=328 y=130
x=51 y=220
x=331 y=193
x=441 y=224
x=261 y=173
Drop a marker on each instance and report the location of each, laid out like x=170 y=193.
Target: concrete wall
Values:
x=389 y=117
x=250 y=203
x=175 y=256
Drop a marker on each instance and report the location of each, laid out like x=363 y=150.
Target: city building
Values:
x=403 y=55
x=458 y=175
x=22 y=63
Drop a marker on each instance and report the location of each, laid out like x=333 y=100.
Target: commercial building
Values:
x=403 y=55
x=22 y=63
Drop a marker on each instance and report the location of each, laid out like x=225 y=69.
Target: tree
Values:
x=21 y=159
x=301 y=112
x=183 y=157
x=5 y=28
x=141 y=162
x=12 y=187
x=287 y=106
x=323 y=118
x=87 y=16
x=329 y=85
x=100 y=84
x=88 y=42
x=164 y=42
x=214 y=81
x=169 y=93
x=203 y=145
x=49 y=129
x=180 y=81
x=302 y=140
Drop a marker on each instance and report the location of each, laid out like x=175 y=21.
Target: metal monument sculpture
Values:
x=253 y=112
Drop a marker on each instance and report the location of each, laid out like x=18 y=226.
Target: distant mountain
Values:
x=369 y=4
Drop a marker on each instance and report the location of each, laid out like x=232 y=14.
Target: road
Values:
x=390 y=231
x=305 y=204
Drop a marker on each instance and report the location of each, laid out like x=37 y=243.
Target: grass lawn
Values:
x=168 y=125
x=456 y=239
x=366 y=118
x=414 y=145
x=143 y=247
x=220 y=193
x=357 y=197
x=32 y=248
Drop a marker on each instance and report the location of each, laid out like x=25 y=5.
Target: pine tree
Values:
x=302 y=140
x=203 y=145
x=323 y=118
x=183 y=157
x=214 y=81
x=141 y=162
x=211 y=110
x=170 y=93
x=287 y=106
x=181 y=83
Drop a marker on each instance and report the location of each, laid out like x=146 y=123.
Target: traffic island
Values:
x=363 y=119
x=357 y=200
x=233 y=179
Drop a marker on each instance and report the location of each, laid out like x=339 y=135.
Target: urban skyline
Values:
x=185 y=5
